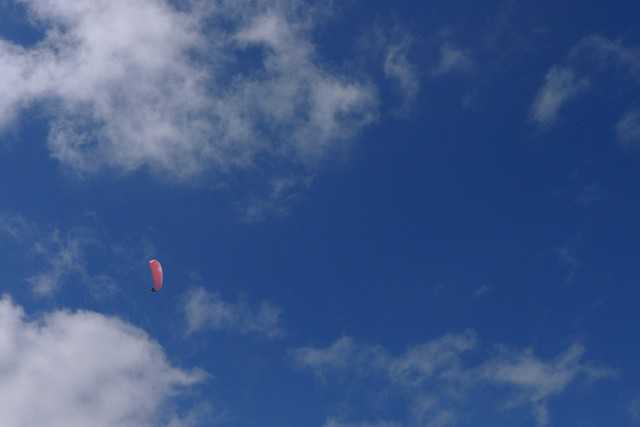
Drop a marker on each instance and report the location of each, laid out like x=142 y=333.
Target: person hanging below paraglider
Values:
x=156 y=275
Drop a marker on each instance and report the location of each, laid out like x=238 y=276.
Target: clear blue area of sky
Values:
x=391 y=245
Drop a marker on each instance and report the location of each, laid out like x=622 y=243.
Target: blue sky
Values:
x=418 y=214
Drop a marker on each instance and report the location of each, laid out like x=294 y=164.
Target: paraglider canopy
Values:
x=156 y=275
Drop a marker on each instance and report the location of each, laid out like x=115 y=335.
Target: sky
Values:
x=369 y=214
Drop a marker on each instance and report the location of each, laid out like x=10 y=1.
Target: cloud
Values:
x=207 y=310
x=209 y=88
x=75 y=369
x=568 y=258
x=560 y=87
x=628 y=129
x=390 y=48
x=535 y=381
x=590 y=57
x=634 y=410
x=452 y=59
x=338 y=356
x=438 y=358
x=426 y=411
x=591 y=194
x=61 y=256
x=281 y=192
x=482 y=291
x=606 y=54
x=437 y=379
x=422 y=369
x=398 y=66
x=15 y=227
x=333 y=422
x=416 y=366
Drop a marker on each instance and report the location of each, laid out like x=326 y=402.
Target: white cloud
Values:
x=568 y=257
x=482 y=291
x=426 y=411
x=607 y=54
x=78 y=369
x=171 y=95
x=560 y=87
x=338 y=356
x=438 y=379
x=281 y=192
x=535 y=381
x=439 y=358
x=393 y=49
x=591 y=56
x=591 y=194
x=634 y=410
x=207 y=310
x=15 y=227
x=628 y=129
x=60 y=256
x=63 y=257
x=399 y=67
x=452 y=59
x=334 y=422
x=419 y=363
x=435 y=365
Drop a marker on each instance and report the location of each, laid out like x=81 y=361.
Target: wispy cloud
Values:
x=591 y=194
x=60 y=255
x=204 y=310
x=170 y=96
x=589 y=58
x=452 y=59
x=393 y=50
x=421 y=369
x=535 y=381
x=418 y=364
x=482 y=291
x=628 y=129
x=568 y=258
x=560 y=87
x=606 y=54
x=634 y=410
x=427 y=412
x=399 y=67
x=340 y=355
x=438 y=376
x=334 y=422
x=94 y=370
x=281 y=193
x=15 y=227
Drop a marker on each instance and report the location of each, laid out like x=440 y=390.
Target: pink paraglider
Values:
x=156 y=275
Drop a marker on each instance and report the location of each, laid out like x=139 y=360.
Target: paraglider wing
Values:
x=156 y=275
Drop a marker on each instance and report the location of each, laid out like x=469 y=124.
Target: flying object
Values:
x=156 y=275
